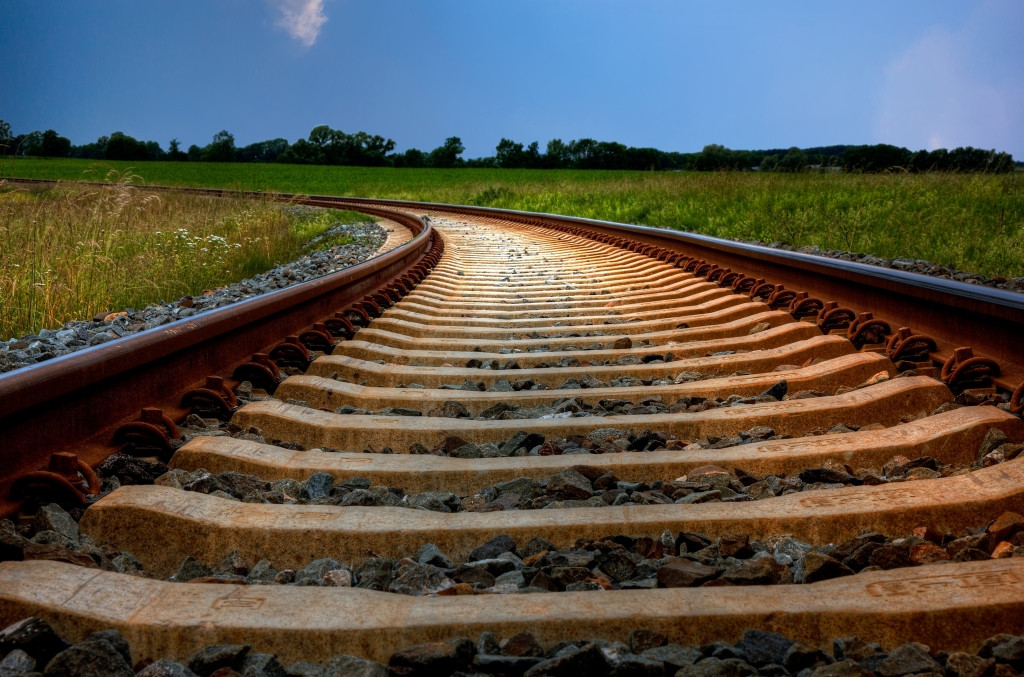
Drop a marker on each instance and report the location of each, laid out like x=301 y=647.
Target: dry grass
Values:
x=71 y=252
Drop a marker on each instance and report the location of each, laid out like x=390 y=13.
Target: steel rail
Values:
x=956 y=314
x=73 y=403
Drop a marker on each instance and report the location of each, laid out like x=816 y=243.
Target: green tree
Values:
x=448 y=154
x=50 y=144
x=877 y=158
x=795 y=160
x=557 y=155
x=410 y=158
x=508 y=154
x=120 y=146
x=91 y=151
x=221 y=150
x=174 y=152
x=5 y=137
x=262 y=151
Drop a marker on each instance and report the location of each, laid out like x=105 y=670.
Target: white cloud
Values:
x=943 y=93
x=302 y=19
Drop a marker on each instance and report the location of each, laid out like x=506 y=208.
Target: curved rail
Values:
x=74 y=402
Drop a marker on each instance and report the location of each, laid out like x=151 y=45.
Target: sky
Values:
x=675 y=75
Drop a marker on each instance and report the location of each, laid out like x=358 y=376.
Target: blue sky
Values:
x=673 y=75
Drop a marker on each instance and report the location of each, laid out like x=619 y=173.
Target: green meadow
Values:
x=974 y=222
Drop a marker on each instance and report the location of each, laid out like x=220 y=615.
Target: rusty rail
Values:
x=75 y=402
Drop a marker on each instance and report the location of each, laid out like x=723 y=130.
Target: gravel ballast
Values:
x=81 y=334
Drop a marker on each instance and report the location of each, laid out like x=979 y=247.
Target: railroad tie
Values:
x=574 y=435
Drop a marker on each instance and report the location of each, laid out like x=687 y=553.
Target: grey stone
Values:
x=778 y=391
x=716 y=667
x=993 y=439
x=674 y=656
x=304 y=669
x=374 y=574
x=191 y=568
x=366 y=497
x=436 y=658
x=701 y=497
x=419 y=580
x=854 y=648
x=583 y=586
x=262 y=574
x=536 y=545
x=318 y=485
x=521 y=438
x=639 y=666
x=233 y=564
x=165 y=668
x=12 y=544
x=844 y=668
x=801 y=657
x=511 y=578
x=53 y=537
x=503 y=665
x=52 y=517
x=570 y=483
x=262 y=665
x=35 y=637
x=527 y=488
x=618 y=565
x=91 y=658
x=431 y=554
x=467 y=451
x=488 y=644
x=314 y=572
x=450 y=409
x=437 y=501
x=762 y=647
x=351 y=666
x=1011 y=651
x=16 y=664
x=572 y=662
x=493 y=548
x=209 y=659
x=288 y=487
x=911 y=658
x=116 y=640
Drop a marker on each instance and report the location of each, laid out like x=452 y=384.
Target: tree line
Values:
x=326 y=146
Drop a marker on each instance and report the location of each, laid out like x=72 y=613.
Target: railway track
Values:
x=531 y=424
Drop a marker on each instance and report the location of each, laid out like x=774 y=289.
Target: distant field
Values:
x=971 y=222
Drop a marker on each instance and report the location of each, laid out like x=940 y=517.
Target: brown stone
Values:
x=1006 y=525
x=735 y=545
x=523 y=644
x=928 y=534
x=682 y=573
x=58 y=553
x=1002 y=550
x=926 y=553
x=960 y=664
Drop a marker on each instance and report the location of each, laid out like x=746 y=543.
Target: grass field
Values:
x=73 y=251
x=971 y=222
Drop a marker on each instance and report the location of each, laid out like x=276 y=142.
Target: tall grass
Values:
x=71 y=252
x=974 y=222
